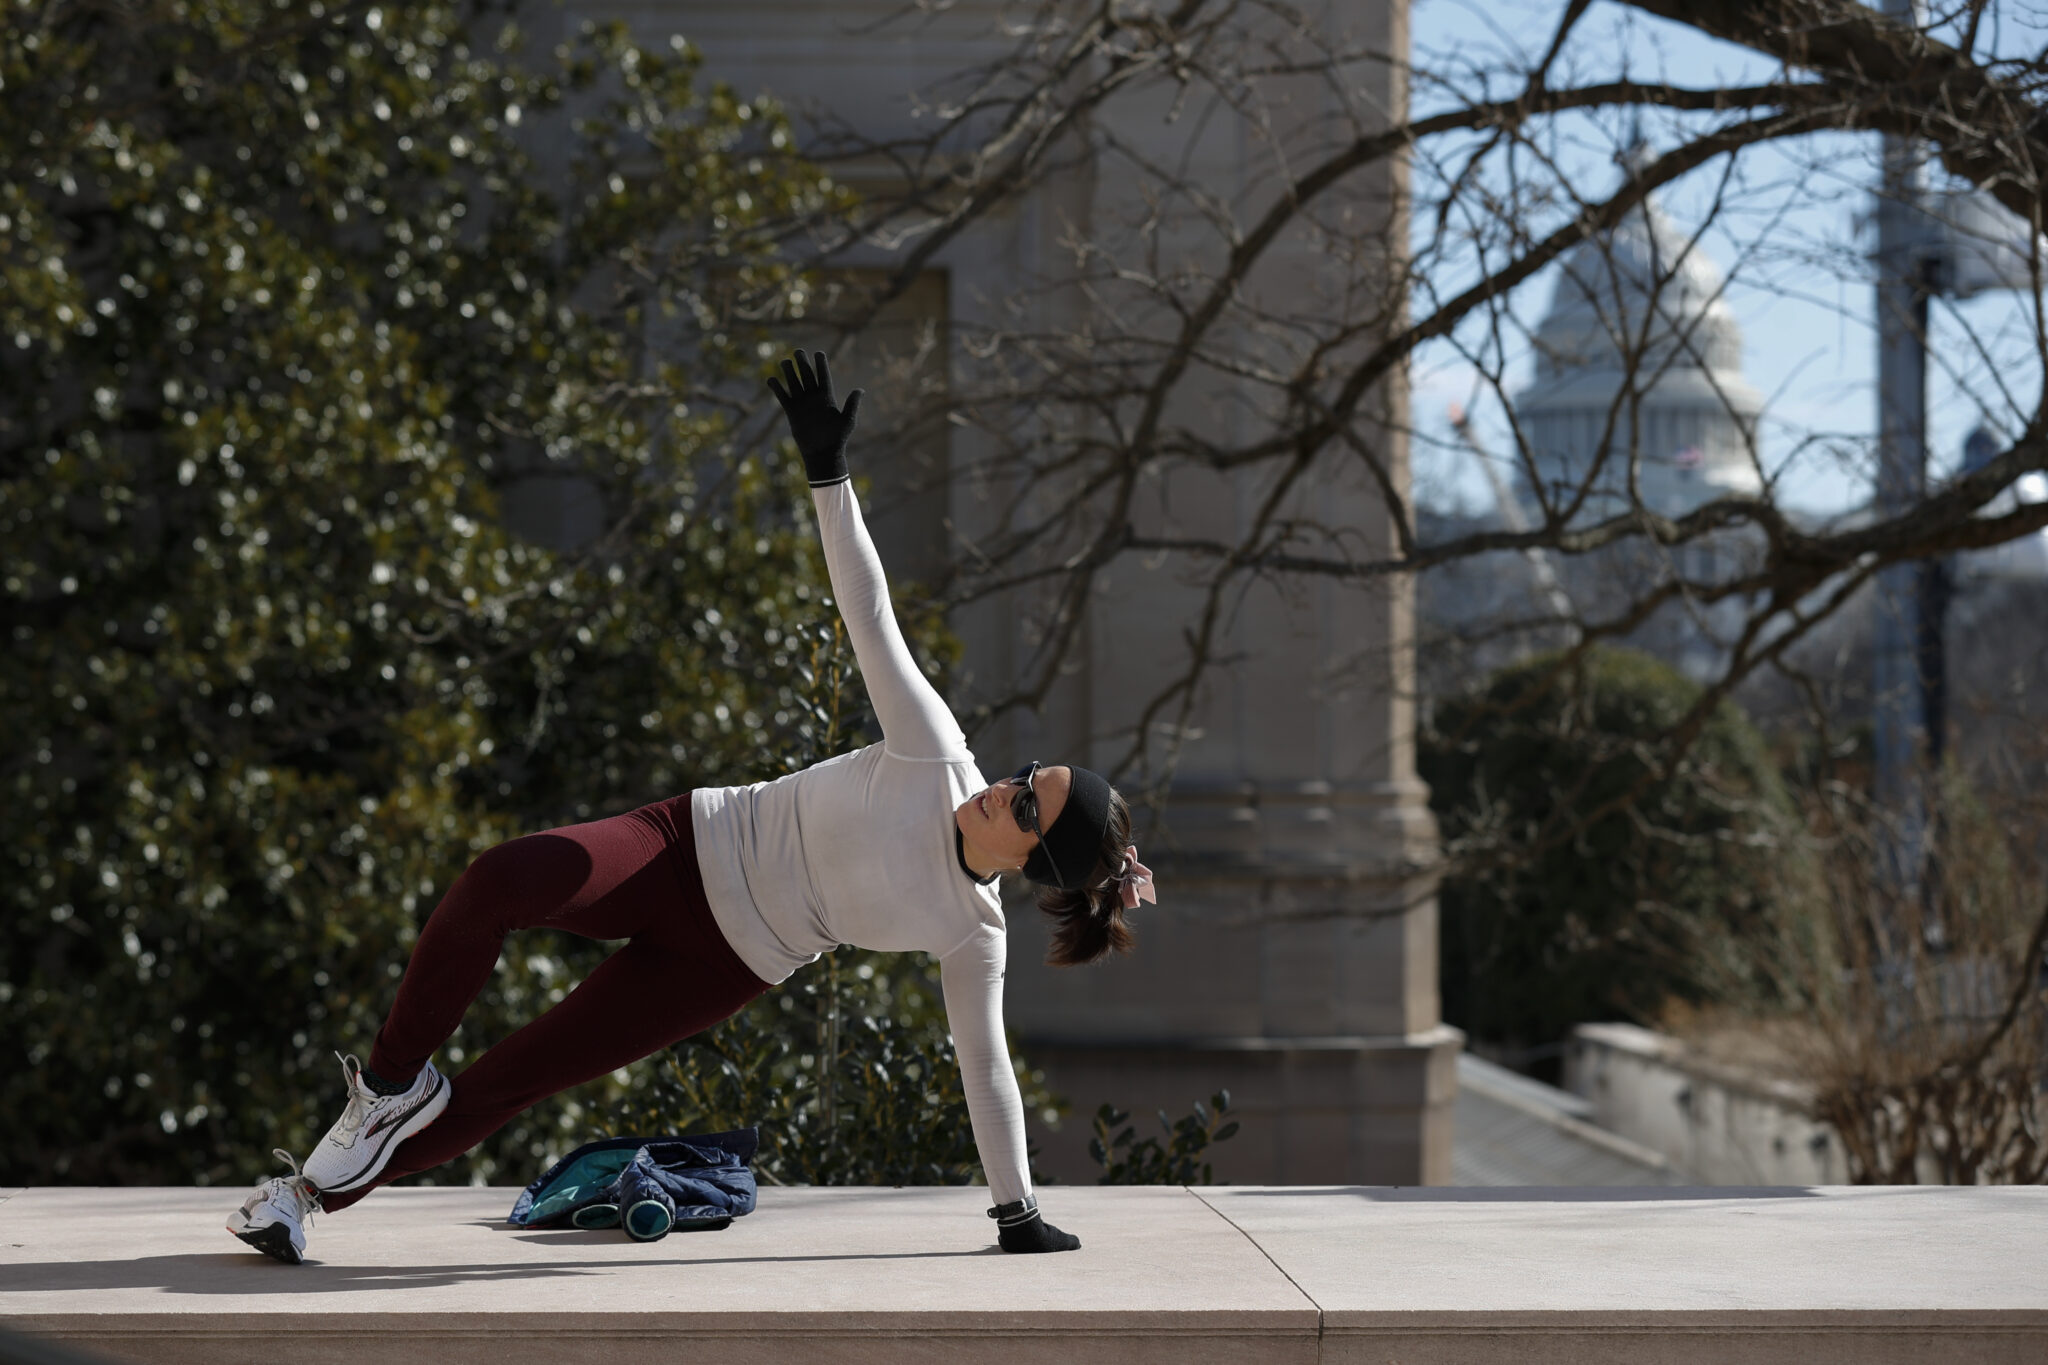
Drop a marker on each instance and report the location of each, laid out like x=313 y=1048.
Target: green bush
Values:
x=1553 y=913
x=848 y=1067
x=1127 y=1159
x=284 y=305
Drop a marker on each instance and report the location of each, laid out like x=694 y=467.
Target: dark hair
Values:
x=1088 y=921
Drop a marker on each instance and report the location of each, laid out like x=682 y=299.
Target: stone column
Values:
x=1293 y=957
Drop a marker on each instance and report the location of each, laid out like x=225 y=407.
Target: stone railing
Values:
x=1718 y=1124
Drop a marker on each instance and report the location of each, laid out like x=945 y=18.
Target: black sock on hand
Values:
x=1020 y=1229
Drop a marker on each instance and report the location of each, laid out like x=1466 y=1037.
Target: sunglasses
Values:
x=1024 y=805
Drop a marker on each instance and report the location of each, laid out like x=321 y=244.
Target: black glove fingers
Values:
x=819 y=428
x=852 y=406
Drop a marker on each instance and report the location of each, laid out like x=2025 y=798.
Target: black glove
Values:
x=1019 y=1228
x=820 y=428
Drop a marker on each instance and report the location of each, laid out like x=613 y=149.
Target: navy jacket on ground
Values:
x=704 y=1175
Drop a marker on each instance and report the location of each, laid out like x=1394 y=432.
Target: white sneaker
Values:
x=274 y=1217
x=362 y=1140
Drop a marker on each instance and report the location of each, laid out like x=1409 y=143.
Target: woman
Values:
x=897 y=846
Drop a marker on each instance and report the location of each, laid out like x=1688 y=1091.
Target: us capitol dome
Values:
x=1643 y=292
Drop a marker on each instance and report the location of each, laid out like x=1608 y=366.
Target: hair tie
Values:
x=1133 y=880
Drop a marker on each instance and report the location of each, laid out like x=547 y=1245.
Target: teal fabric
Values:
x=586 y=1176
x=648 y=1221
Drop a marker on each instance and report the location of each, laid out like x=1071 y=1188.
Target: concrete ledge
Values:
x=1285 y=1274
x=1658 y=1275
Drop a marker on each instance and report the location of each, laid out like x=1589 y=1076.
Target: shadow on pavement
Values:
x=235 y=1273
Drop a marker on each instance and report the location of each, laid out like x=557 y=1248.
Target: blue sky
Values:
x=1790 y=240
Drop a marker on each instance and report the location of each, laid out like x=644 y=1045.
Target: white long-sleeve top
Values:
x=860 y=849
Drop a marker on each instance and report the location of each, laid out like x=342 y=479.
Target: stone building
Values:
x=1640 y=355
x=1293 y=957
x=1638 y=365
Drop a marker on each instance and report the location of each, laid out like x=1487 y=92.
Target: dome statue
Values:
x=1640 y=309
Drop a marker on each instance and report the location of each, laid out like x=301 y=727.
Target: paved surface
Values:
x=1414 y=1276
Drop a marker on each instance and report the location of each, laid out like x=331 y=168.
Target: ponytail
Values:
x=1089 y=920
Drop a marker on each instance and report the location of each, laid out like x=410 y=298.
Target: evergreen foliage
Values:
x=1565 y=903
x=1127 y=1159
x=286 y=304
x=848 y=1067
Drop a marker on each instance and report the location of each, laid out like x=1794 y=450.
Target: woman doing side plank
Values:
x=897 y=847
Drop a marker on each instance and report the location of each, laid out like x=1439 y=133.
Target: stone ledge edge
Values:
x=1263 y=1324
x=322 y=1327
x=1756 y=1321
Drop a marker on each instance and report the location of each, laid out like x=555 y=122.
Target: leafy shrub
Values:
x=1566 y=898
x=285 y=306
x=1130 y=1160
x=849 y=1069
x=1915 y=1008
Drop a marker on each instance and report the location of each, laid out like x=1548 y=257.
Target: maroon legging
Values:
x=633 y=876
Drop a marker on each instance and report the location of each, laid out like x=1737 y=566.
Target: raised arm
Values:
x=971 y=978
x=916 y=722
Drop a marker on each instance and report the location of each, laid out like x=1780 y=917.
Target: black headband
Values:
x=1072 y=847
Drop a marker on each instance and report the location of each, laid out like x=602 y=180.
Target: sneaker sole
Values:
x=387 y=1142
x=274 y=1241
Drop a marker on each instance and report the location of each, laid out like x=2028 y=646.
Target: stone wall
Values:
x=1717 y=1124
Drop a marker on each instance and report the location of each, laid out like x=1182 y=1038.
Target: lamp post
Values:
x=1906 y=275
x=1957 y=244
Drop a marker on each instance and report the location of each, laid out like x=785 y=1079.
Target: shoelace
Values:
x=359 y=1098
x=308 y=1197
